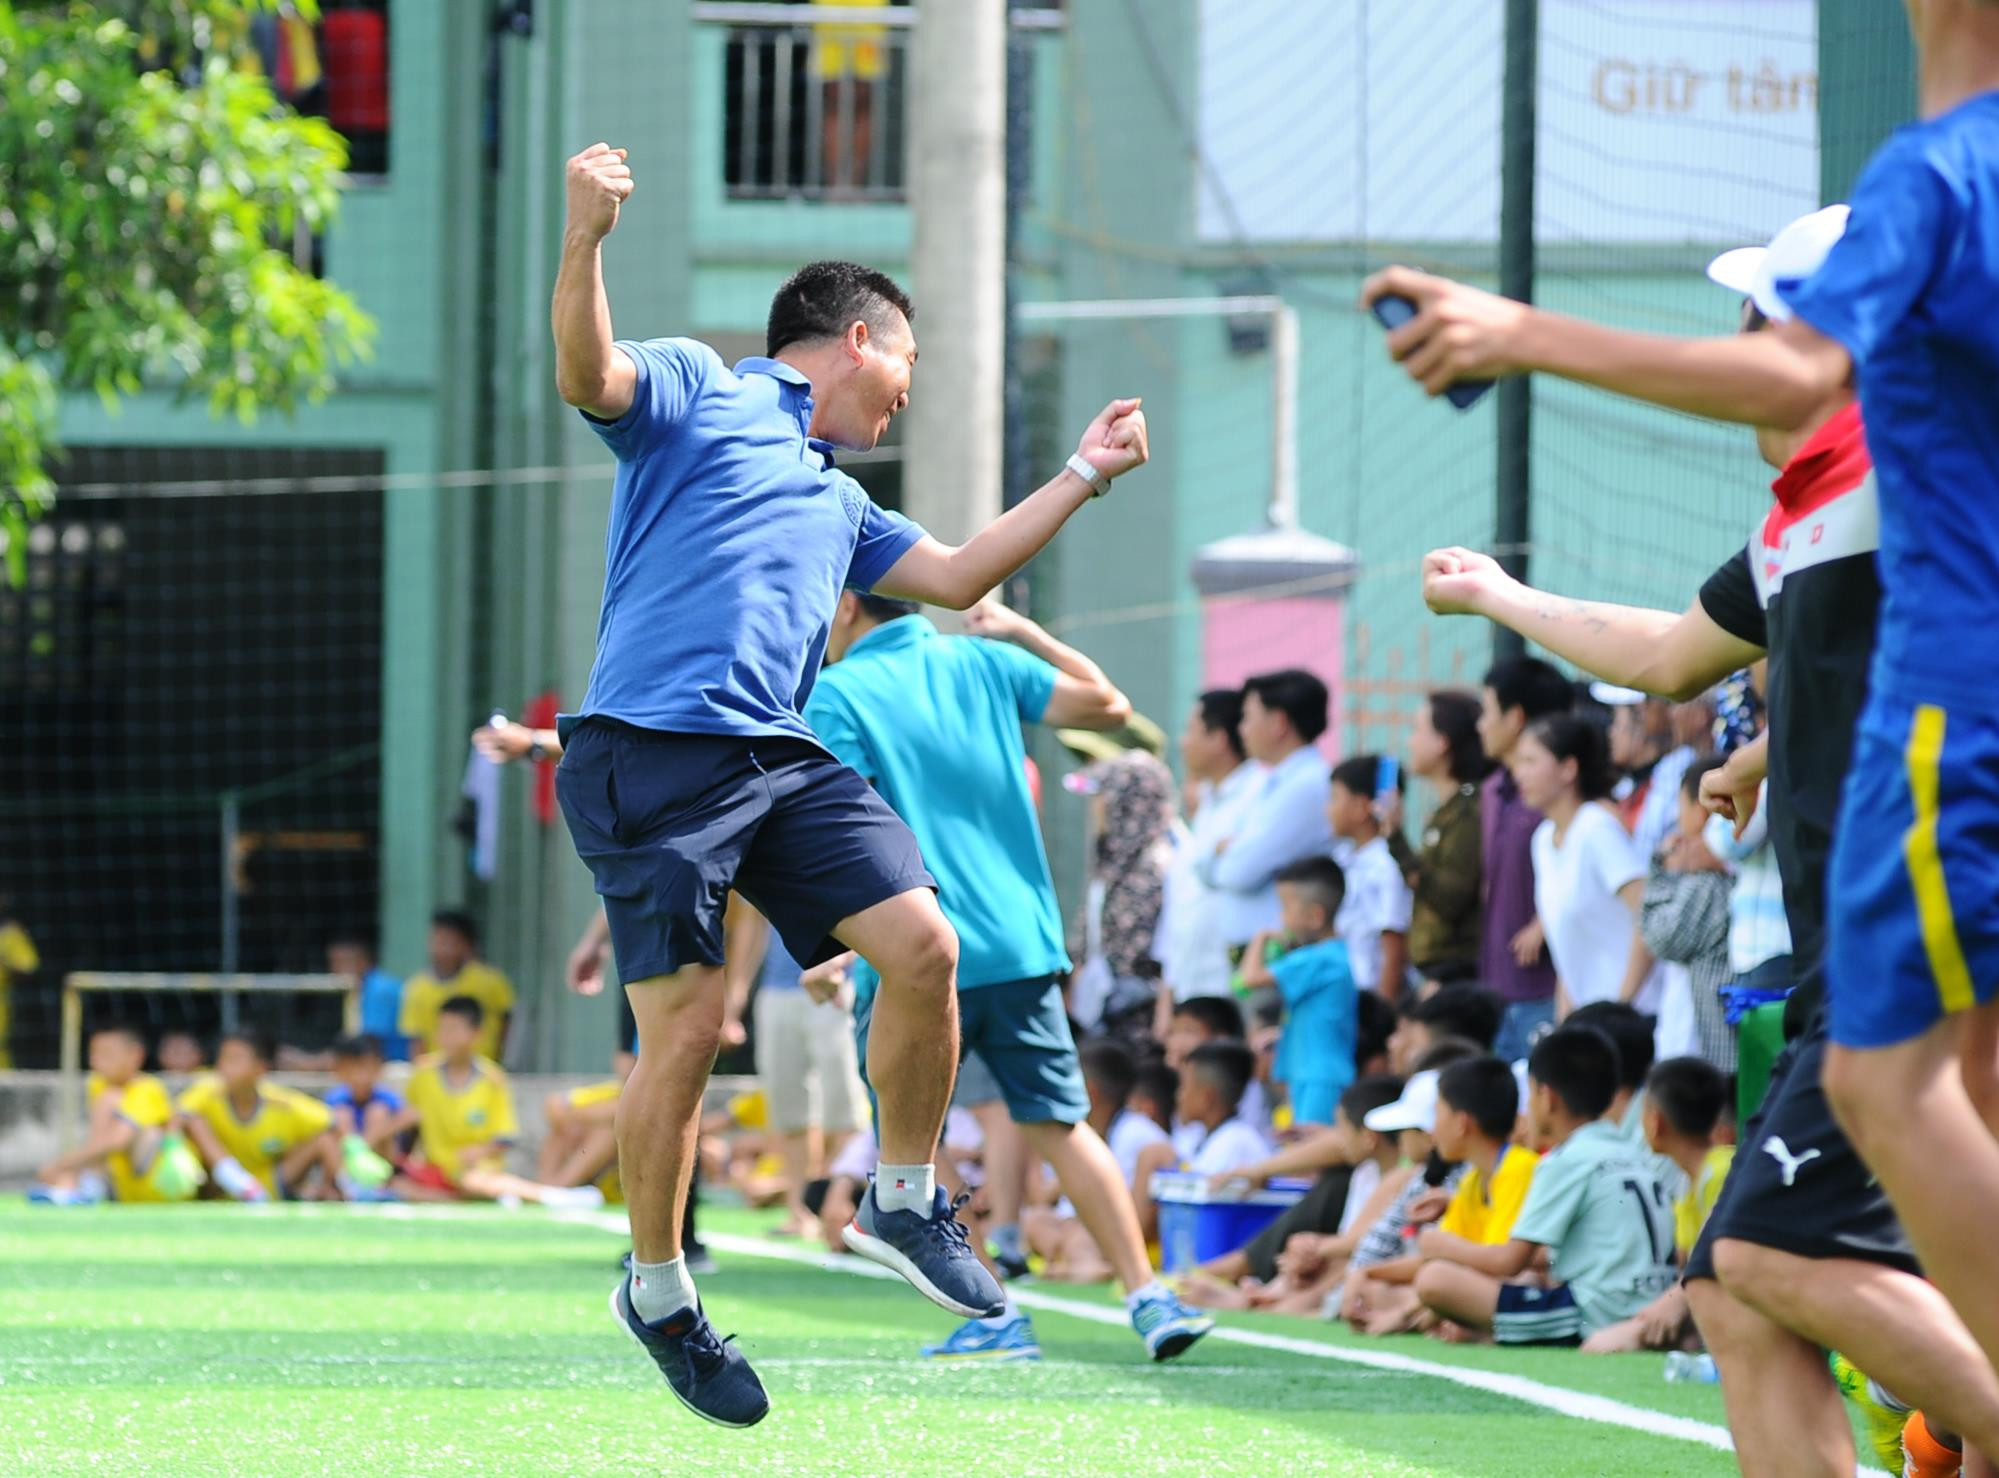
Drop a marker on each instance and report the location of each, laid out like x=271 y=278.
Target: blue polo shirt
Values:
x=935 y=723
x=1912 y=293
x=731 y=537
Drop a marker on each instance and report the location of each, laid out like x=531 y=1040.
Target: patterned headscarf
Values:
x=1131 y=857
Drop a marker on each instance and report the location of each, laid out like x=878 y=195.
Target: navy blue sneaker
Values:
x=710 y=1376
x=932 y=1252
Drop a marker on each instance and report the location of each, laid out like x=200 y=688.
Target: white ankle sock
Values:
x=906 y=1187
x=660 y=1289
x=1154 y=1289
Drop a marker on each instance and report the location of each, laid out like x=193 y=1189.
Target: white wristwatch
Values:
x=1099 y=484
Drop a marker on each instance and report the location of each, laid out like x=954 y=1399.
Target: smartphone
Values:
x=1394 y=310
x=1387 y=779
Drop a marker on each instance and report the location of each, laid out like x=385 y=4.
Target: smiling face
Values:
x=869 y=384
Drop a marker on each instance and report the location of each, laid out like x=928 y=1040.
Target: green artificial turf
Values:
x=212 y=1340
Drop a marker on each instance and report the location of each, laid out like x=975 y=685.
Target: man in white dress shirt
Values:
x=1193 y=952
x=1283 y=819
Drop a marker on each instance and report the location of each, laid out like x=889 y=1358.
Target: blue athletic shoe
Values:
x=1013 y=1340
x=1168 y=1326
x=932 y=1252
x=709 y=1375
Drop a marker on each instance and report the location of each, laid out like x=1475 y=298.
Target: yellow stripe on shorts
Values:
x=1922 y=760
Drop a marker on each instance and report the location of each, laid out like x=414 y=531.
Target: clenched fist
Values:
x=1116 y=442
x=599 y=181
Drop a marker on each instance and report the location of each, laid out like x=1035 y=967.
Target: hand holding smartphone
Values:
x=1395 y=310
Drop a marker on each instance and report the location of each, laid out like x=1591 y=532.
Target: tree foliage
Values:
x=144 y=179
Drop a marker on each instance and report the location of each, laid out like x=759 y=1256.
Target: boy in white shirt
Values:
x=1374 y=919
x=1211 y=1135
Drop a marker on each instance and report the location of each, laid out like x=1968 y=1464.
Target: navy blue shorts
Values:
x=669 y=823
x=1527 y=1315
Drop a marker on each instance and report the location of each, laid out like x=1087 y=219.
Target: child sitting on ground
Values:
x=1374 y=920
x=463 y=1114
x=1201 y=1019
x=1596 y=1208
x=1358 y=1176
x=261 y=1141
x=130 y=1151
x=581 y=1147
x=1477 y=1104
x=361 y=1104
x=1214 y=1136
x=1315 y=1053
x=1055 y=1234
x=1684 y=1097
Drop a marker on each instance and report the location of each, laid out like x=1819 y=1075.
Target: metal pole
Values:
x=957 y=199
x=1513 y=481
x=232 y=827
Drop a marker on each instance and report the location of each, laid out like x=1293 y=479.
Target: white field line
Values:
x=1576 y=1404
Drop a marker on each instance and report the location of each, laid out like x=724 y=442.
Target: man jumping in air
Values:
x=688 y=769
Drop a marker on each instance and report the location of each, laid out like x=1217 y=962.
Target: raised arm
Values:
x=589 y=372
x=1779 y=378
x=959 y=577
x=1677 y=657
x=1084 y=698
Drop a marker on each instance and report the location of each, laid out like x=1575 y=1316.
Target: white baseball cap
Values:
x=1415 y=1109
x=1796 y=251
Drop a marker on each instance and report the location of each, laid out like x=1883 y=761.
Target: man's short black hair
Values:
x=353 y=939
x=1296 y=694
x=263 y=1046
x=1483 y=1087
x=1365 y=1095
x=1579 y=1065
x=1690 y=1092
x=1530 y=685
x=1320 y=879
x=1109 y=1064
x=880 y=608
x=1362 y=775
x=459 y=922
x=466 y=1007
x=361 y=1044
x=822 y=300
x=1629 y=1029
x=1444 y=1051
x=1459 y=1011
x=1221 y=709
x=1221 y=1016
x=1227 y=1067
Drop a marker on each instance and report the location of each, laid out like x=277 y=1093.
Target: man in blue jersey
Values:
x=689 y=771
x=1907 y=306
x=934 y=722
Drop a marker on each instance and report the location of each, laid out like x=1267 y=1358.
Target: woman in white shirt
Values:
x=1589 y=875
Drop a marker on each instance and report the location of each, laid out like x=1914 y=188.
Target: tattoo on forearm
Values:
x=1558 y=611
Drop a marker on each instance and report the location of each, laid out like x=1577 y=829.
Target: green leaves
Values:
x=142 y=191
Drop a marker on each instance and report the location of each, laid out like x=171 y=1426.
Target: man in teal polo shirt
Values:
x=934 y=723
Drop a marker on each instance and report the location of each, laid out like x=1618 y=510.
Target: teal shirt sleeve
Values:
x=1030 y=680
x=1554 y=1200
x=1311 y=971
x=832 y=719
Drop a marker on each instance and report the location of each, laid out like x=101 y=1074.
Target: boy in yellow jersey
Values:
x=463 y=1114
x=1478 y=1102
x=582 y=1143
x=130 y=1151
x=456 y=970
x=260 y=1141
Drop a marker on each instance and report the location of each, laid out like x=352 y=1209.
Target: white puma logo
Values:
x=1777 y=1150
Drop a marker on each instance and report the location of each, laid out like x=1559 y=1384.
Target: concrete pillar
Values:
x=957 y=195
